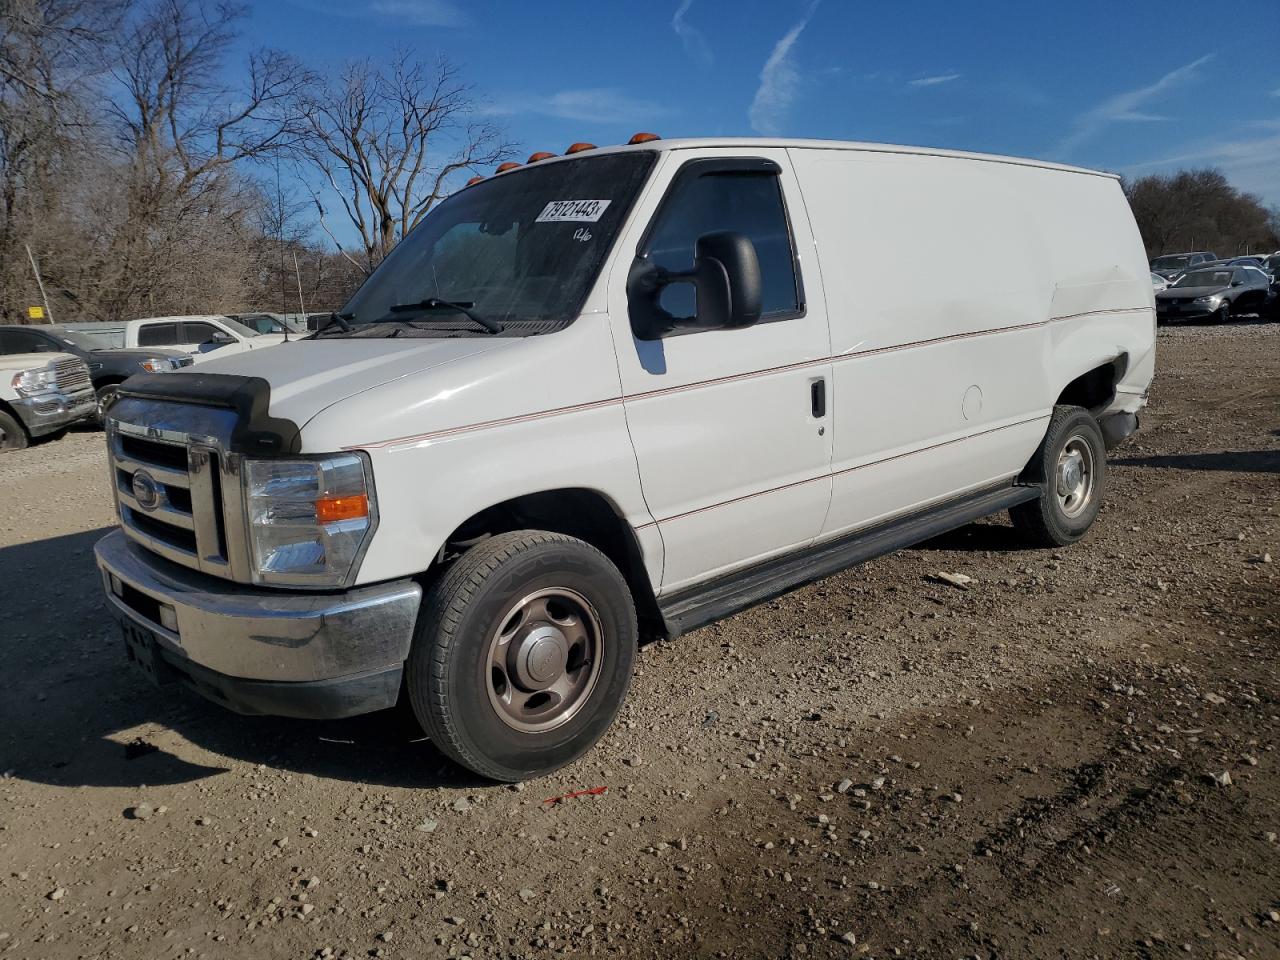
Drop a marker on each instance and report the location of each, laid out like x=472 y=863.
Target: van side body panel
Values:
x=946 y=365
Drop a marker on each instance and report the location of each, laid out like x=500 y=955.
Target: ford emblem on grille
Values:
x=145 y=490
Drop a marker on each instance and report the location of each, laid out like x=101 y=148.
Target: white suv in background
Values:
x=198 y=335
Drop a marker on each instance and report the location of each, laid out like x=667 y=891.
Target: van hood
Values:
x=306 y=376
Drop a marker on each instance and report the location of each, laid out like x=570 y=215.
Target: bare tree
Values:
x=1198 y=210
x=50 y=51
x=387 y=142
x=182 y=133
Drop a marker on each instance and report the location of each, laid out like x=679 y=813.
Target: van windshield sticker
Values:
x=572 y=211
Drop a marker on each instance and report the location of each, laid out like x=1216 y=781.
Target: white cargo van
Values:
x=623 y=392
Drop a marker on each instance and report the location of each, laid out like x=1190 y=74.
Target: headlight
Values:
x=1211 y=300
x=309 y=519
x=157 y=365
x=34 y=381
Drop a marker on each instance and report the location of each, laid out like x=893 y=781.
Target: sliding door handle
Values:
x=818 y=397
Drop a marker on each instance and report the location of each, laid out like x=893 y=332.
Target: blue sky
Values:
x=1126 y=86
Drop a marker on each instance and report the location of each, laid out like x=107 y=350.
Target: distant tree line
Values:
x=1200 y=210
x=142 y=181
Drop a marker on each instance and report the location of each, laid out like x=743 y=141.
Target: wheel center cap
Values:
x=541 y=657
x=1070 y=476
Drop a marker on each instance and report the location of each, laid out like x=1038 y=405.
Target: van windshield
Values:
x=520 y=250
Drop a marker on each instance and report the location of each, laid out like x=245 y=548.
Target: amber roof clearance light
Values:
x=579 y=147
x=644 y=138
x=504 y=167
x=474 y=180
x=540 y=155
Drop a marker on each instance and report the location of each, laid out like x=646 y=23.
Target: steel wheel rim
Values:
x=544 y=660
x=1074 y=477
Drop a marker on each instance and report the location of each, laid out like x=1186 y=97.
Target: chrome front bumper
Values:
x=264 y=651
x=44 y=413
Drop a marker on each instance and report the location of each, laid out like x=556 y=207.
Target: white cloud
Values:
x=1249 y=164
x=588 y=105
x=779 y=82
x=695 y=44
x=934 y=81
x=1124 y=107
x=412 y=13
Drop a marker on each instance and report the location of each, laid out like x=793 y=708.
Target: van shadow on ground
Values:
x=1231 y=461
x=72 y=697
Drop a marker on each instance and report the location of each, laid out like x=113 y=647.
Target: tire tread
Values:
x=443 y=610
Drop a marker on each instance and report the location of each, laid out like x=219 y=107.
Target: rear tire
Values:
x=12 y=434
x=1223 y=313
x=1070 y=468
x=523 y=654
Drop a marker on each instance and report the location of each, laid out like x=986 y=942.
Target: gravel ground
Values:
x=1072 y=757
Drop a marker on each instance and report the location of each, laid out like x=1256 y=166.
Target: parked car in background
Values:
x=108 y=366
x=1158 y=283
x=282 y=323
x=1216 y=292
x=40 y=394
x=1171 y=265
x=196 y=335
x=598 y=390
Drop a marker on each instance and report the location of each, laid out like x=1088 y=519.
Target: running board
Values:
x=708 y=602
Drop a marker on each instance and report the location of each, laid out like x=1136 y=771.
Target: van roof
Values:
x=690 y=143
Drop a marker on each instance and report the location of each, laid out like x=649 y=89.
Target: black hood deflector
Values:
x=256 y=432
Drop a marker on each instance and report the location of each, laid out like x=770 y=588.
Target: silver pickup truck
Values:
x=40 y=394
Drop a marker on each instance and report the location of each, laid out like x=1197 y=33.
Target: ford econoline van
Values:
x=619 y=393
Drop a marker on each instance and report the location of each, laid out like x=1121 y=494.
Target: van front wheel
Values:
x=1070 y=468
x=523 y=654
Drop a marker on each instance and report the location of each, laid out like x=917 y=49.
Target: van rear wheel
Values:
x=523 y=654
x=1070 y=468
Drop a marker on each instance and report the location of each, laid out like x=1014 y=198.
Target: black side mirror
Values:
x=726 y=275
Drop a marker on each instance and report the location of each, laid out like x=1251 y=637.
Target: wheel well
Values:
x=575 y=512
x=1096 y=388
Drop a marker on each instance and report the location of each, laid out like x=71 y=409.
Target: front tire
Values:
x=1070 y=468
x=523 y=654
x=104 y=395
x=12 y=435
x=1223 y=313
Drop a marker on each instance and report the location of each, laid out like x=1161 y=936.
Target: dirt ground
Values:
x=1073 y=757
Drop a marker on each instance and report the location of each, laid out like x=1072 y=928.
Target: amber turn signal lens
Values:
x=540 y=155
x=644 y=138
x=333 y=509
x=580 y=146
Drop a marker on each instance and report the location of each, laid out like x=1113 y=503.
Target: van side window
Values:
x=158 y=335
x=749 y=203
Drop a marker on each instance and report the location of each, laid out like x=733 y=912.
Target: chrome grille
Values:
x=72 y=375
x=187 y=506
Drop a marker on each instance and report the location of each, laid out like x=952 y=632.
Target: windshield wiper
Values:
x=459 y=306
x=340 y=319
